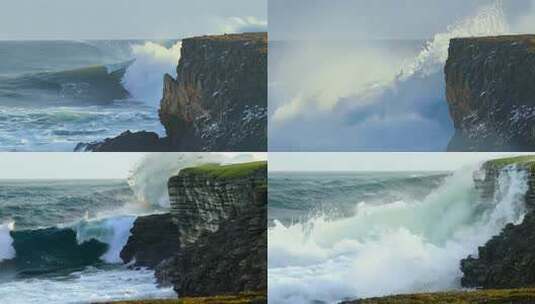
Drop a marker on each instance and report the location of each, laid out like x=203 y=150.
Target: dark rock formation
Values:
x=153 y=239
x=508 y=259
x=127 y=142
x=222 y=224
x=490 y=92
x=218 y=101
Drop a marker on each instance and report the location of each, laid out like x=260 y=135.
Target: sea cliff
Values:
x=214 y=240
x=508 y=259
x=490 y=93
x=217 y=102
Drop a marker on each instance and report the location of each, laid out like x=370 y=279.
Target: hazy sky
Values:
x=123 y=19
x=67 y=165
x=355 y=19
x=77 y=165
x=280 y=161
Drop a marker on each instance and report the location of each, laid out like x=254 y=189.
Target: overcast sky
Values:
x=70 y=165
x=378 y=19
x=126 y=19
x=280 y=161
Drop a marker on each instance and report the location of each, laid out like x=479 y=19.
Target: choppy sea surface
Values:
x=55 y=94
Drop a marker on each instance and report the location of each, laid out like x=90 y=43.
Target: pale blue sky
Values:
x=280 y=161
x=126 y=19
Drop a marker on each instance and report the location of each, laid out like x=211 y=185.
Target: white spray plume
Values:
x=144 y=78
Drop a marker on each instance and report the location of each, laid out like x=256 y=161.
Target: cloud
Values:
x=244 y=24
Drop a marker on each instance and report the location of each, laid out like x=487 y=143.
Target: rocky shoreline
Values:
x=214 y=240
x=218 y=101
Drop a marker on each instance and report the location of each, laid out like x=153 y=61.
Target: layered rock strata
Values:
x=214 y=240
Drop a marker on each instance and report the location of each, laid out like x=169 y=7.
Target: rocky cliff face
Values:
x=490 y=92
x=222 y=224
x=214 y=241
x=508 y=259
x=218 y=101
x=202 y=203
x=153 y=239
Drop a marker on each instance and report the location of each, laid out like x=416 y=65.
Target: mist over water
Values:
x=368 y=95
x=398 y=246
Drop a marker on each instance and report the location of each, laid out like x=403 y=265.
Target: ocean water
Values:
x=336 y=236
x=65 y=237
x=55 y=94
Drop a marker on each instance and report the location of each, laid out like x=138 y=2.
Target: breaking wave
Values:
x=391 y=248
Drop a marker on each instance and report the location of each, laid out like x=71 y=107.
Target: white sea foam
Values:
x=90 y=285
x=399 y=247
x=6 y=242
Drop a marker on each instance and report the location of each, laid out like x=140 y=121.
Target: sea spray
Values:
x=149 y=178
x=144 y=78
x=488 y=21
x=6 y=241
x=404 y=95
x=113 y=231
x=398 y=247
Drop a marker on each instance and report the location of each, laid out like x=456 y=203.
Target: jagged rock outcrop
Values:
x=218 y=102
x=490 y=92
x=153 y=239
x=127 y=141
x=221 y=214
x=508 y=259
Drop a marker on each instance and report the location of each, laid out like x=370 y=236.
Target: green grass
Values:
x=226 y=171
x=504 y=296
x=525 y=160
x=244 y=298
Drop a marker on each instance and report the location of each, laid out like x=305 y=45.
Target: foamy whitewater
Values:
x=56 y=94
x=396 y=238
x=65 y=237
x=398 y=104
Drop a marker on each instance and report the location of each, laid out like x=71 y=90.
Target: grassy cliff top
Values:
x=505 y=296
x=226 y=171
x=525 y=160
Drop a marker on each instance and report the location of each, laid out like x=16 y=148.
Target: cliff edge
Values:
x=508 y=259
x=490 y=92
x=221 y=212
x=218 y=101
x=214 y=240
